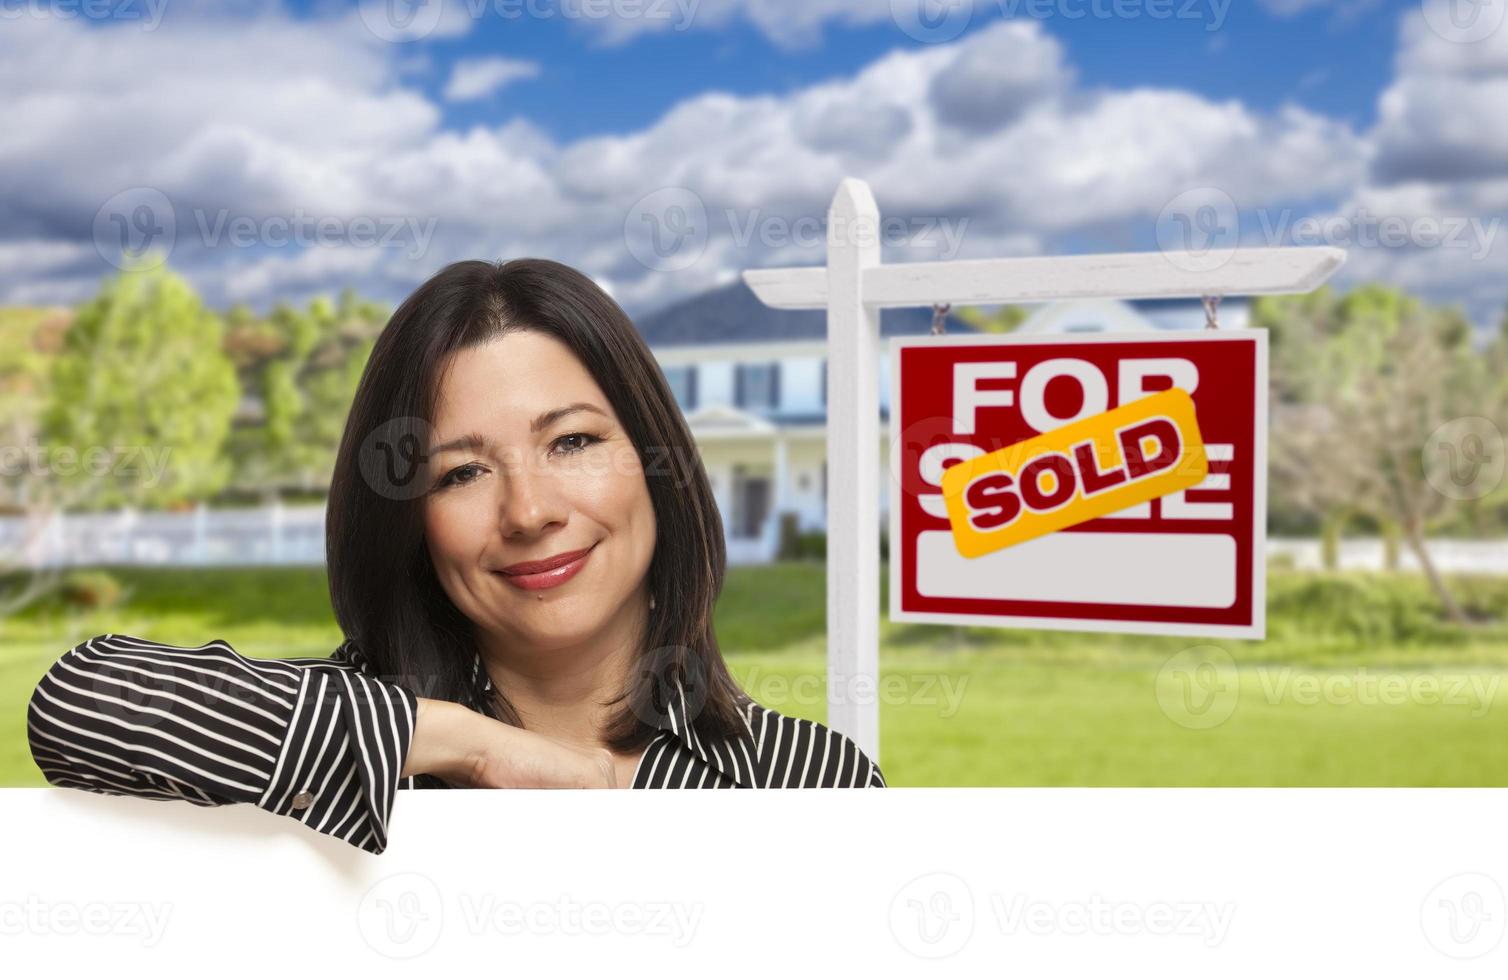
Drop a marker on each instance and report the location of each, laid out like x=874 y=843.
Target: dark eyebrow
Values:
x=471 y=441
x=476 y=442
x=546 y=418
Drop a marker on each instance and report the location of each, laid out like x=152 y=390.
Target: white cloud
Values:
x=1439 y=172
x=34 y=257
x=1441 y=118
x=309 y=270
x=998 y=76
x=793 y=24
x=992 y=134
x=478 y=78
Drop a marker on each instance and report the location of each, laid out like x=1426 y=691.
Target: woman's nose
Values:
x=532 y=501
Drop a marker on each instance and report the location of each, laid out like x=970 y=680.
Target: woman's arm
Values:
x=319 y=740
x=470 y=749
x=316 y=740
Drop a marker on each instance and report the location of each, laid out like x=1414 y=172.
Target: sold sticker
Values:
x=1091 y=468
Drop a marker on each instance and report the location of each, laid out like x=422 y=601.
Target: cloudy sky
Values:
x=278 y=150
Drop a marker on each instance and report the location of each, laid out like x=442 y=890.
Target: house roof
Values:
x=1188 y=314
x=732 y=314
x=721 y=419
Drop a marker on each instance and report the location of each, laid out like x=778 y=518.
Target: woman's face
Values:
x=549 y=472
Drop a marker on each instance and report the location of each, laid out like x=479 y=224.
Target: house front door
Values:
x=751 y=505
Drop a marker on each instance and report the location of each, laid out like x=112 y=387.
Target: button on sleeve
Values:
x=339 y=766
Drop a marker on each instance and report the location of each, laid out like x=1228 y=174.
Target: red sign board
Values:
x=1186 y=563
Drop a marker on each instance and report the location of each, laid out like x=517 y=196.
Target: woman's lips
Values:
x=550 y=577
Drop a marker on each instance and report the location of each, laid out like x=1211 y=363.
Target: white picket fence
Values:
x=1488 y=557
x=283 y=535
x=271 y=535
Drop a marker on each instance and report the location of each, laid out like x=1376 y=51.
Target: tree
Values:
x=1000 y=319
x=300 y=368
x=1360 y=384
x=28 y=339
x=142 y=394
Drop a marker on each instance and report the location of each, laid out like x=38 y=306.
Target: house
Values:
x=752 y=383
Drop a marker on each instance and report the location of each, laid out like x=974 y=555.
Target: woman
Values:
x=524 y=555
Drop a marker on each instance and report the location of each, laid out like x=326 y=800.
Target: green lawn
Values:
x=1359 y=683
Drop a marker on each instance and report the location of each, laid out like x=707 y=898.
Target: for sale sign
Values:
x=1105 y=482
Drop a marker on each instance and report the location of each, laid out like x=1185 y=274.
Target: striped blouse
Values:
x=324 y=741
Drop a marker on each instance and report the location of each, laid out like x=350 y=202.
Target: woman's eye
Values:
x=452 y=478
x=569 y=444
x=575 y=442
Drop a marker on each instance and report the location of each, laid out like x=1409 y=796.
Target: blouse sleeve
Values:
x=318 y=740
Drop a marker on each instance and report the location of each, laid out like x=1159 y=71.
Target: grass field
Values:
x=1358 y=683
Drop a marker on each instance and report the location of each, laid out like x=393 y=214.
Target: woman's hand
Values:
x=470 y=749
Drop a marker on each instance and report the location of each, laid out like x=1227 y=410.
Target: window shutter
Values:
x=691 y=386
x=738 y=385
x=775 y=384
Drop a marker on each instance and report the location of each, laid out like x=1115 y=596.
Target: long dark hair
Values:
x=383 y=587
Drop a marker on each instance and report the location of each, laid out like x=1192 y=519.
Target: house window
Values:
x=682 y=380
x=757 y=385
x=823 y=372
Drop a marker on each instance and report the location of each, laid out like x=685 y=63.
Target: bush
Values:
x=1362 y=607
x=1482 y=597
x=798 y=545
x=91 y=590
x=812 y=545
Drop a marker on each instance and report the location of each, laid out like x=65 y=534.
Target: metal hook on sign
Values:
x=939 y=314
x=1211 y=312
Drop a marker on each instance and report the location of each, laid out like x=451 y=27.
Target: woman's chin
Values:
x=558 y=627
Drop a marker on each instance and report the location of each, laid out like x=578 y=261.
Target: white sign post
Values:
x=854 y=287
